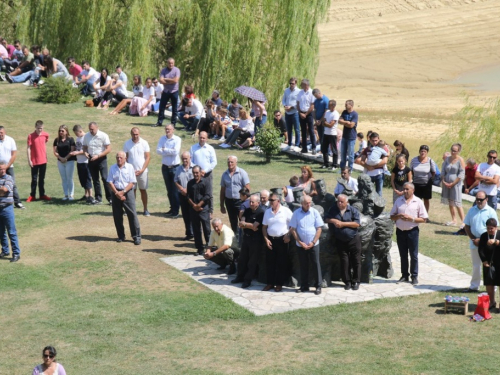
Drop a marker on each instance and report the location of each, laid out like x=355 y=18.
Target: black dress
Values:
x=490 y=254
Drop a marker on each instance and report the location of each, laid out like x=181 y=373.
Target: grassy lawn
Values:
x=113 y=308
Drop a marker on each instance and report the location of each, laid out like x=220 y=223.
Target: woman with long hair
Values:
x=143 y=103
x=49 y=365
x=54 y=67
x=123 y=102
x=63 y=146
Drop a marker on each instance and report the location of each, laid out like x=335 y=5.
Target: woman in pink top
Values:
x=49 y=365
x=259 y=112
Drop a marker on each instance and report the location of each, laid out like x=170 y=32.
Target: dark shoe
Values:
x=236 y=281
x=156 y=125
x=96 y=202
x=347 y=286
x=168 y=213
x=220 y=268
x=120 y=240
x=403 y=279
x=137 y=241
x=174 y=216
x=246 y=284
x=268 y=287
x=300 y=290
x=232 y=269
x=84 y=198
x=414 y=280
x=187 y=238
x=4 y=255
x=15 y=258
x=146 y=213
x=278 y=288
x=472 y=290
x=8 y=78
x=19 y=205
x=493 y=305
x=303 y=151
x=314 y=153
x=317 y=291
x=355 y=286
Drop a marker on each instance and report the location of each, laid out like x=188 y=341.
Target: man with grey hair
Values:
x=169 y=78
x=198 y=194
x=264 y=198
x=305 y=106
x=121 y=180
x=169 y=148
x=7 y=221
x=320 y=108
x=343 y=221
x=306 y=225
x=223 y=239
x=251 y=247
x=231 y=182
x=184 y=174
x=408 y=211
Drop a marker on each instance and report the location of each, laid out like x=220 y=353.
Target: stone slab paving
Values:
x=434 y=276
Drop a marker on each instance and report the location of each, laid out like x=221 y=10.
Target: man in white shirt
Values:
x=169 y=147
x=331 y=119
x=97 y=144
x=349 y=182
x=305 y=106
x=8 y=154
x=193 y=112
x=158 y=90
x=289 y=101
x=222 y=237
x=138 y=154
x=203 y=154
x=87 y=76
x=121 y=182
x=122 y=75
x=488 y=175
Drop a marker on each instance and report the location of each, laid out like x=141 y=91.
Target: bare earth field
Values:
x=399 y=58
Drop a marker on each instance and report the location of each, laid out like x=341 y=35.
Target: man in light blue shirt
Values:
x=306 y=225
x=203 y=155
x=320 y=108
x=475 y=226
x=122 y=75
x=169 y=147
x=289 y=101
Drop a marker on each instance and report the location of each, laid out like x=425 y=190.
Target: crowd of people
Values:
x=311 y=124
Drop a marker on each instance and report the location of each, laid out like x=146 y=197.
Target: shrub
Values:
x=269 y=140
x=58 y=90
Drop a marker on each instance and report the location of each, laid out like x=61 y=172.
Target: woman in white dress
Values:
x=143 y=103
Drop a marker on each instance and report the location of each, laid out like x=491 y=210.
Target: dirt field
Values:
x=397 y=59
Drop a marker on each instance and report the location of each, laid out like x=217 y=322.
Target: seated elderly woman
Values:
x=306 y=181
x=145 y=101
x=136 y=89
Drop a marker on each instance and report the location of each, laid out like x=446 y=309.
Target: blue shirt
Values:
x=305 y=224
x=234 y=183
x=476 y=220
x=320 y=106
x=349 y=133
x=204 y=157
x=290 y=99
x=351 y=214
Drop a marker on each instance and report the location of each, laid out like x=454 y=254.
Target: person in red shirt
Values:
x=470 y=181
x=37 y=159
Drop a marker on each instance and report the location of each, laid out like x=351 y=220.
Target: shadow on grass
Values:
x=156 y=238
x=91 y=238
x=98 y=213
x=168 y=252
x=445 y=232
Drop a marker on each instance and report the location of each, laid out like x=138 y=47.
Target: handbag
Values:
x=483 y=306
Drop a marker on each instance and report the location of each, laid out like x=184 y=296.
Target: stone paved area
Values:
x=434 y=276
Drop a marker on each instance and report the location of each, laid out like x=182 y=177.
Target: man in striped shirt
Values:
x=7 y=222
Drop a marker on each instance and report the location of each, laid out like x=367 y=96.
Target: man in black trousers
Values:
x=343 y=222
x=199 y=192
x=121 y=180
x=252 y=244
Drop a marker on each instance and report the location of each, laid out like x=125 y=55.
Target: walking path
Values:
x=433 y=276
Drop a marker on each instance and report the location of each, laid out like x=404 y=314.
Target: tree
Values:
x=217 y=44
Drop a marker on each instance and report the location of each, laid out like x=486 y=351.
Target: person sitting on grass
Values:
x=279 y=123
x=102 y=87
x=158 y=90
x=74 y=69
x=23 y=72
x=191 y=113
x=87 y=78
x=143 y=103
x=118 y=91
x=54 y=67
x=222 y=124
x=244 y=130
x=234 y=110
x=136 y=89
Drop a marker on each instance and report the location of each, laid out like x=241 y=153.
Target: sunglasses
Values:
x=272 y=200
x=48 y=356
x=492 y=157
x=480 y=200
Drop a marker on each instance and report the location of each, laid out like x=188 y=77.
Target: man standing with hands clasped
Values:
x=198 y=193
x=306 y=225
x=121 y=180
x=343 y=222
x=408 y=211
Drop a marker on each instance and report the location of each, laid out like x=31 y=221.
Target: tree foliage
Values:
x=217 y=44
x=269 y=140
x=58 y=90
x=477 y=128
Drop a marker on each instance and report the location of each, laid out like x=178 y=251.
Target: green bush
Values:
x=269 y=140
x=58 y=90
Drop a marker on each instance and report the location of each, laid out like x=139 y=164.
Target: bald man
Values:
x=121 y=181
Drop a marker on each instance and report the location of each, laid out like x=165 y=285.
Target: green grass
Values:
x=116 y=309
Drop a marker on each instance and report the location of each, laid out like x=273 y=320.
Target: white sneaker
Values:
x=287 y=148
x=41 y=82
x=27 y=83
x=297 y=149
x=71 y=199
x=334 y=169
x=255 y=148
x=223 y=139
x=65 y=199
x=75 y=85
x=2 y=77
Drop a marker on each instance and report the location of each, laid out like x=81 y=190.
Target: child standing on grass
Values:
x=400 y=175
